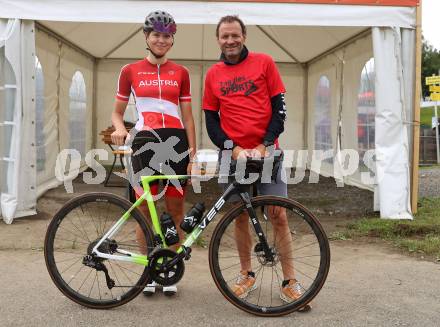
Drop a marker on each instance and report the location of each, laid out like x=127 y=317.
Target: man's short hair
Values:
x=230 y=19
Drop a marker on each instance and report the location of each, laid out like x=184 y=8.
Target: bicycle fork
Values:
x=269 y=256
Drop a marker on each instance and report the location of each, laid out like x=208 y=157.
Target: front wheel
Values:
x=298 y=249
x=73 y=233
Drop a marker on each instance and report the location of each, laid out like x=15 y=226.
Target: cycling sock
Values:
x=286 y=282
x=251 y=273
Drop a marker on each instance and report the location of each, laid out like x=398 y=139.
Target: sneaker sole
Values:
x=169 y=293
x=305 y=308
x=148 y=293
x=246 y=294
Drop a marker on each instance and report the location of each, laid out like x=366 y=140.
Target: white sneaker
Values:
x=169 y=290
x=150 y=289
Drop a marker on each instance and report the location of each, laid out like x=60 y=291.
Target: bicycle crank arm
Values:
x=180 y=256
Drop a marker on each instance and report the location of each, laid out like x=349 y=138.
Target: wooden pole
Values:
x=416 y=126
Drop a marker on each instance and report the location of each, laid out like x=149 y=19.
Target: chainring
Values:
x=160 y=273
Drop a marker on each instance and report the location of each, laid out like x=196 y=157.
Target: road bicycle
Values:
x=101 y=252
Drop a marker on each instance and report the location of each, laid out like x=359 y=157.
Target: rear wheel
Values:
x=299 y=251
x=80 y=275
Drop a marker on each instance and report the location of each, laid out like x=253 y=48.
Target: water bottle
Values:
x=192 y=217
x=168 y=229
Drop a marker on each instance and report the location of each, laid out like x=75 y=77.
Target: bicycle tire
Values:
x=80 y=233
x=295 y=212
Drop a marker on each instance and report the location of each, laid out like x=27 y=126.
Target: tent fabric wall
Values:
x=72 y=61
x=356 y=56
x=18 y=197
x=47 y=50
x=392 y=149
x=328 y=67
x=59 y=62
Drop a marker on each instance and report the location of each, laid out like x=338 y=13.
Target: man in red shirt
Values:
x=244 y=107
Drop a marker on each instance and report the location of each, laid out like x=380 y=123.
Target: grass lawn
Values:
x=421 y=235
x=426 y=114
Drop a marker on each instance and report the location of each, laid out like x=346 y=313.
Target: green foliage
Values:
x=430 y=64
x=426 y=115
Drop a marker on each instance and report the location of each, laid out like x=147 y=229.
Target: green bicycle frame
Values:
x=147 y=196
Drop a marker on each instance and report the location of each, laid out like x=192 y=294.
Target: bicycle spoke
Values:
x=304 y=263
x=73 y=277
x=82 y=225
x=66 y=260
x=91 y=270
x=134 y=272
x=296 y=269
x=125 y=274
x=70 y=266
x=114 y=273
x=94 y=224
x=73 y=241
x=93 y=284
x=106 y=217
x=62 y=227
x=99 y=288
x=261 y=287
x=271 y=288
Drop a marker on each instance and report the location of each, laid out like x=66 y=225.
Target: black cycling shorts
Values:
x=161 y=151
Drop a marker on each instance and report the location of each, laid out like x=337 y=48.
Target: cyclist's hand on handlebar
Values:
x=118 y=136
x=239 y=152
x=259 y=152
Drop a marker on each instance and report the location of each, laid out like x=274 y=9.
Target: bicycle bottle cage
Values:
x=256 y=166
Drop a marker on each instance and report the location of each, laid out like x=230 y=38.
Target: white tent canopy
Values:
x=311 y=43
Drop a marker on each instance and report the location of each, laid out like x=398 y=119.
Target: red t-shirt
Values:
x=242 y=94
x=157 y=90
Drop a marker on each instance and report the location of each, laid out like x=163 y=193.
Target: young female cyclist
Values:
x=159 y=86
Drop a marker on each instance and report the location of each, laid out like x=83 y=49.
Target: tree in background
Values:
x=430 y=64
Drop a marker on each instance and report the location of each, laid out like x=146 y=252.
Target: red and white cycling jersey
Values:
x=157 y=90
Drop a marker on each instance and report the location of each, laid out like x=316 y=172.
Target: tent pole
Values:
x=58 y=37
x=416 y=125
x=94 y=101
x=341 y=45
x=120 y=44
x=306 y=107
x=202 y=73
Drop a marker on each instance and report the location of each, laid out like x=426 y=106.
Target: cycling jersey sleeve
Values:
x=215 y=132
x=274 y=82
x=276 y=125
x=124 y=84
x=185 y=88
x=210 y=101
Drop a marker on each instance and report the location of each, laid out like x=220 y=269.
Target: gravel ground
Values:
x=369 y=284
x=429 y=182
